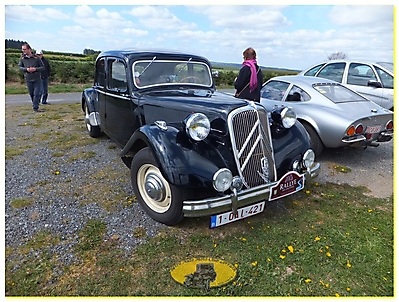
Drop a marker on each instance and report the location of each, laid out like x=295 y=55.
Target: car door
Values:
x=358 y=77
x=118 y=114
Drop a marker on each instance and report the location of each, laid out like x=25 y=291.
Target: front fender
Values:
x=289 y=145
x=179 y=165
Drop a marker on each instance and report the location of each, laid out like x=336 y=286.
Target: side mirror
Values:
x=374 y=84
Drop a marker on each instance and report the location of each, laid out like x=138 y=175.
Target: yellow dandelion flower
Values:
x=320 y=250
x=343 y=169
x=337 y=295
x=291 y=249
x=321 y=282
x=385 y=279
x=375 y=229
x=348 y=264
x=268 y=259
x=348 y=289
x=121 y=269
x=369 y=210
x=243 y=239
x=327 y=247
x=347 y=233
x=283 y=251
x=282 y=256
x=215 y=245
x=317 y=238
x=255 y=263
x=327 y=285
x=307 y=192
x=316 y=183
x=328 y=254
x=236 y=265
x=308 y=280
x=57 y=172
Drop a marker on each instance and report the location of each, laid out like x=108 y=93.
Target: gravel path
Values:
x=60 y=186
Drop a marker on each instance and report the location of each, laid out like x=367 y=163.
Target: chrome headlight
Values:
x=308 y=158
x=222 y=180
x=198 y=126
x=288 y=117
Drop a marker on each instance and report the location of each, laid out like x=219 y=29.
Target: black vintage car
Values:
x=194 y=151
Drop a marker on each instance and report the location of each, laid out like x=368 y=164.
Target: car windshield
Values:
x=338 y=93
x=149 y=73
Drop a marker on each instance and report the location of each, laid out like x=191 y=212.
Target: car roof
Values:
x=304 y=80
x=126 y=52
x=385 y=65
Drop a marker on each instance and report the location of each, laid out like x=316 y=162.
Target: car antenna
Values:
x=153 y=59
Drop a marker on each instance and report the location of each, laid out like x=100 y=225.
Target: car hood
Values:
x=176 y=107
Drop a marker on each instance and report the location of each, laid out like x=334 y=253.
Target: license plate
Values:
x=228 y=217
x=373 y=129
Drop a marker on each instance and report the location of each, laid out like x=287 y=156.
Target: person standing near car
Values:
x=45 y=75
x=249 y=80
x=32 y=66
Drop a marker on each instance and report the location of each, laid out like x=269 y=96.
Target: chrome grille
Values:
x=252 y=147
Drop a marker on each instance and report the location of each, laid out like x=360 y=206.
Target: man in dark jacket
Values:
x=44 y=76
x=249 y=80
x=32 y=66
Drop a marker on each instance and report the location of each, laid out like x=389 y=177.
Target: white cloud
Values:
x=160 y=18
x=29 y=14
x=360 y=15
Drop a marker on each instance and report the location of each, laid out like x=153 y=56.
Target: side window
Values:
x=100 y=73
x=360 y=74
x=313 y=71
x=333 y=71
x=274 y=90
x=297 y=94
x=117 y=75
x=386 y=78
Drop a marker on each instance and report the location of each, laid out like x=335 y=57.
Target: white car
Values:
x=372 y=80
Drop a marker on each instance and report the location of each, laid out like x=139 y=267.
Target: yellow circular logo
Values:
x=203 y=273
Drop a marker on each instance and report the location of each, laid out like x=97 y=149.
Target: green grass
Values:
x=20 y=88
x=330 y=241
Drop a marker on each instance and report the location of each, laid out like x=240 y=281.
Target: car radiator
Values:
x=252 y=146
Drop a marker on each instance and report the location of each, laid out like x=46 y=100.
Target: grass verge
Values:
x=332 y=240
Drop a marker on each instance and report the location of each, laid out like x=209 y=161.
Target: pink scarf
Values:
x=253 y=81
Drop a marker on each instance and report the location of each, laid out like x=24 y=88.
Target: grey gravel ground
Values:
x=58 y=206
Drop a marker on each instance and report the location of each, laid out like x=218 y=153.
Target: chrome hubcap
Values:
x=154 y=187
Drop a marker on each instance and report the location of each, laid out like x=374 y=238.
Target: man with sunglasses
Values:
x=32 y=66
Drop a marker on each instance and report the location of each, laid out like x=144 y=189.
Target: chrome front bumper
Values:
x=210 y=206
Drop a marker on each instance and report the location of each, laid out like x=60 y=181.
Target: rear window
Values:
x=338 y=93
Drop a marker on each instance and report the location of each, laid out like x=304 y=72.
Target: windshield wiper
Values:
x=153 y=59
x=184 y=66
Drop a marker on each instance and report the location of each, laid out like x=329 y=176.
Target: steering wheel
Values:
x=191 y=77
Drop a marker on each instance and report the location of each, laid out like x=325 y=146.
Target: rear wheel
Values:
x=94 y=131
x=162 y=201
x=315 y=142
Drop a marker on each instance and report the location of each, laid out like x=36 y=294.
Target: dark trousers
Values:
x=34 y=92
x=44 y=90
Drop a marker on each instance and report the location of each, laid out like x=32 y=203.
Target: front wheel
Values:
x=162 y=201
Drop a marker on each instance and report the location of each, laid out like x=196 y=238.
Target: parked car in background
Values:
x=374 y=81
x=333 y=115
x=193 y=151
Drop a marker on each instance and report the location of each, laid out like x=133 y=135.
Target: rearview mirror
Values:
x=374 y=84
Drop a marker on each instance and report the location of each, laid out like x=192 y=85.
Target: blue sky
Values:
x=286 y=36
